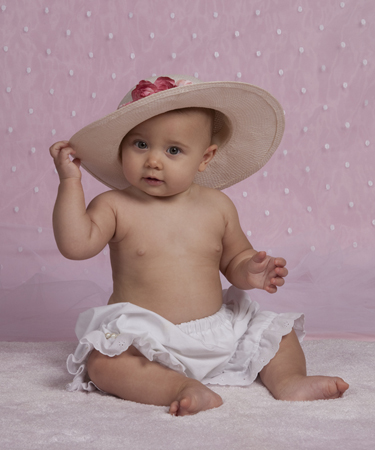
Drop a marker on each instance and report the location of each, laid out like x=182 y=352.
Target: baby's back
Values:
x=166 y=253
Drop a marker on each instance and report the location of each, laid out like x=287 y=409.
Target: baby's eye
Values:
x=174 y=150
x=141 y=145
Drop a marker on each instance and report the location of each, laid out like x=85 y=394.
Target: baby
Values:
x=168 y=329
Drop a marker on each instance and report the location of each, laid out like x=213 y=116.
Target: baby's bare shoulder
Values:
x=212 y=193
x=221 y=200
x=110 y=198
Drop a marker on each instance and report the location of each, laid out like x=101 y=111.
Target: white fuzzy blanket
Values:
x=37 y=413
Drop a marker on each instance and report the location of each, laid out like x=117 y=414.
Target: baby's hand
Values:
x=266 y=272
x=66 y=168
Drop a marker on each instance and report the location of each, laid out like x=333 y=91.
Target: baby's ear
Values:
x=207 y=157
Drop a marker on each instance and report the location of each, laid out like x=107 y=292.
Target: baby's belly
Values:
x=178 y=297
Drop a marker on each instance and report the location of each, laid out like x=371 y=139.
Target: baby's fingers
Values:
x=66 y=168
x=77 y=162
x=259 y=257
x=280 y=262
x=281 y=271
x=62 y=157
x=277 y=281
x=271 y=289
x=274 y=284
x=56 y=148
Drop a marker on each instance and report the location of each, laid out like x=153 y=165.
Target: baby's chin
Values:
x=168 y=193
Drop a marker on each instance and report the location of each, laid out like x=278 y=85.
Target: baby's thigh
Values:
x=102 y=368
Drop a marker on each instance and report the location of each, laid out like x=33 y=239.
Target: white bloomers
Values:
x=228 y=348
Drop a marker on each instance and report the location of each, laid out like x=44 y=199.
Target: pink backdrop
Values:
x=65 y=64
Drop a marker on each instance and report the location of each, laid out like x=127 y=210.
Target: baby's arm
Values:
x=79 y=233
x=243 y=266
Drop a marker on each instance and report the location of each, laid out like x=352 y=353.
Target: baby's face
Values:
x=162 y=155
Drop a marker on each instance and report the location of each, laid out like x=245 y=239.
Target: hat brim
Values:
x=254 y=123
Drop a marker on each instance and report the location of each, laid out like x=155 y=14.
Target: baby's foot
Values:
x=194 y=397
x=302 y=388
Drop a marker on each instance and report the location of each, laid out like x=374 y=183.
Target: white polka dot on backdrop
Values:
x=66 y=64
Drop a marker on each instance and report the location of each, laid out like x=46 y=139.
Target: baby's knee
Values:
x=103 y=370
x=97 y=367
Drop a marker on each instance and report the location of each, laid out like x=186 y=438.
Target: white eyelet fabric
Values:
x=228 y=348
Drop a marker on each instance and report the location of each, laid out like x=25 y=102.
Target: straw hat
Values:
x=248 y=127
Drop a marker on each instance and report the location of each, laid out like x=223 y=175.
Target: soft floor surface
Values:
x=37 y=413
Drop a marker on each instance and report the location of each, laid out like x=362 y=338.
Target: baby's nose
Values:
x=154 y=160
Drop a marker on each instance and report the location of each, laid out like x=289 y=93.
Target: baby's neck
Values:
x=184 y=195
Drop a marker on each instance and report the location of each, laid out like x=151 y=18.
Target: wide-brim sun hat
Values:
x=248 y=127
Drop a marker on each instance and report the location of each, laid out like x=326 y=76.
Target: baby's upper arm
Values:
x=101 y=211
x=234 y=240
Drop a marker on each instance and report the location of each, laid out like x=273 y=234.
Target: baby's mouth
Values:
x=153 y=181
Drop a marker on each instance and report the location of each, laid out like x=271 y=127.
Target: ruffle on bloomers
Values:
x=228 y=348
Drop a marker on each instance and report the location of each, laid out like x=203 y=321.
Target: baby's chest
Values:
x=175 y=236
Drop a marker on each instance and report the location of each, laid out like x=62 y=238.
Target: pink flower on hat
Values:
x=145 y=88
x=183 y=83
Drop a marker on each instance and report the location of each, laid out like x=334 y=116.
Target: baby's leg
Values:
x=285 y=376
x=133 y=377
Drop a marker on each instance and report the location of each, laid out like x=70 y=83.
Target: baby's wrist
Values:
x=70 y=180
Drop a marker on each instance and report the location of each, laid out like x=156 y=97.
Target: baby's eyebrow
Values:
x=174 y=143
x=133 y=133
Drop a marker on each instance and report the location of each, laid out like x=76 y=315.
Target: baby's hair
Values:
x=210 y=113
